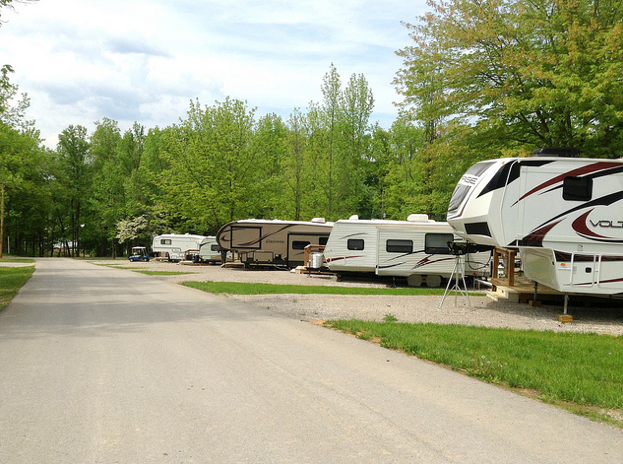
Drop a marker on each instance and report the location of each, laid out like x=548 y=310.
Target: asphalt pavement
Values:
x=102 y=365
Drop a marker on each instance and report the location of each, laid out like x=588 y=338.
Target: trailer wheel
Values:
x=433 y=281
x=414 y=280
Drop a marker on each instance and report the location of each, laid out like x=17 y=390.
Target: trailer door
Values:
x=297 y=243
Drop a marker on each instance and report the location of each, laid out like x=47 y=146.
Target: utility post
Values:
x=2 y=220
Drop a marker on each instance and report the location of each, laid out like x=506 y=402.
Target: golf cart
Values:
x=139 y=253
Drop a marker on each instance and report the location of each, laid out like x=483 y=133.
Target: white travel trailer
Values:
x=261 y=242
x=175 y=246
x=564 y=214
x=416 y=249
x=209 y=251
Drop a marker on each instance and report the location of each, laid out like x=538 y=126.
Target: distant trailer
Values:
x=416 y=249
x=563 y=213
x=260 y=242
x=209 y=251
x=174 y=247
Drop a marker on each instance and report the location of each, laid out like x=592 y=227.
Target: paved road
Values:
x=102 y=365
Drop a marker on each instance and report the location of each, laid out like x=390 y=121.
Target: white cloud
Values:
x=143 y=61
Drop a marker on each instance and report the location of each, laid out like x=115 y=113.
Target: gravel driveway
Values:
x=485 y=312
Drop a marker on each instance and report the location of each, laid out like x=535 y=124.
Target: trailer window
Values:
x=355 y=244
x=299 y=244
x=165 y=241
x=459 y=194
x=577 y=188
x=215 y=248
x=399 y=246
x=323 y=240
x=437 y=243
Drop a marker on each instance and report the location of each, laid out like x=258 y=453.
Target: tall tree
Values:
x=293 y=166
x=74 y=172
x=332 y=110
x=522 y=73
x=357 y=105
x=108 y=196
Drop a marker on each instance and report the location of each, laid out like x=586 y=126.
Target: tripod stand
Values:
x=459 y=268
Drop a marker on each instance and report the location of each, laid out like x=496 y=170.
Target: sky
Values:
x=145 y=60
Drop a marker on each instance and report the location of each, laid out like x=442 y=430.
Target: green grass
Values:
x=11 y=280
x=238 y=288
x=11 y=259
x=163 y=273
x=569 y=369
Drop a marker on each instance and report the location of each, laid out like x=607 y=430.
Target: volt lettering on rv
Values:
x=607 y=224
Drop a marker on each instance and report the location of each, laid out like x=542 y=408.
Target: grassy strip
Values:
x=163 y=273
x=238 y=288
x=583 y=369
x=11 y=259
x=11 y=280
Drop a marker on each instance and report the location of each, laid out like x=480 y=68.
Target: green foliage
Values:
x=27 y=199
x=585 y=369
x=524 y=74
x=73 y=178
x=215 y=173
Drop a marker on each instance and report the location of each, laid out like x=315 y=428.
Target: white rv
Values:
x=416 y=249
x=175 y=246
x=564 y=214
x=209 y=251
x=261 y=242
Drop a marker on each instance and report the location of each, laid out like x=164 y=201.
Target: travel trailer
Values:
x=175 y=246
x=260 y=242
x=209 y=251
x=563 y=213
x=416 y=249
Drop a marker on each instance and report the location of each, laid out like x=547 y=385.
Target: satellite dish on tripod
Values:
x=459 y=250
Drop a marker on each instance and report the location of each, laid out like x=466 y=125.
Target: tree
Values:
x=357 y=105
x=23 y=170
x=341 y=140
x=521 y=73
x=107 y=200
x=331 y=92
x=74 y=176
x=13 y=108
x=216 y=168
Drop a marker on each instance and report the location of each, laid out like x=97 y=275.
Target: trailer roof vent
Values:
x=557 y=151
x=417 y=218
x=354 y=217
x=318 y=220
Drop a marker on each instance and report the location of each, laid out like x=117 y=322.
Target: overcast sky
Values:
x=144 y=60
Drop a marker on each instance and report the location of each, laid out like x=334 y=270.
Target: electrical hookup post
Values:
x=459 y=250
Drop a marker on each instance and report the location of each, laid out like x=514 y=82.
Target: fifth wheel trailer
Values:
x=209 y=251
x=175 y=246
x=416 y=249
x=260 y=242
x=563 y=213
